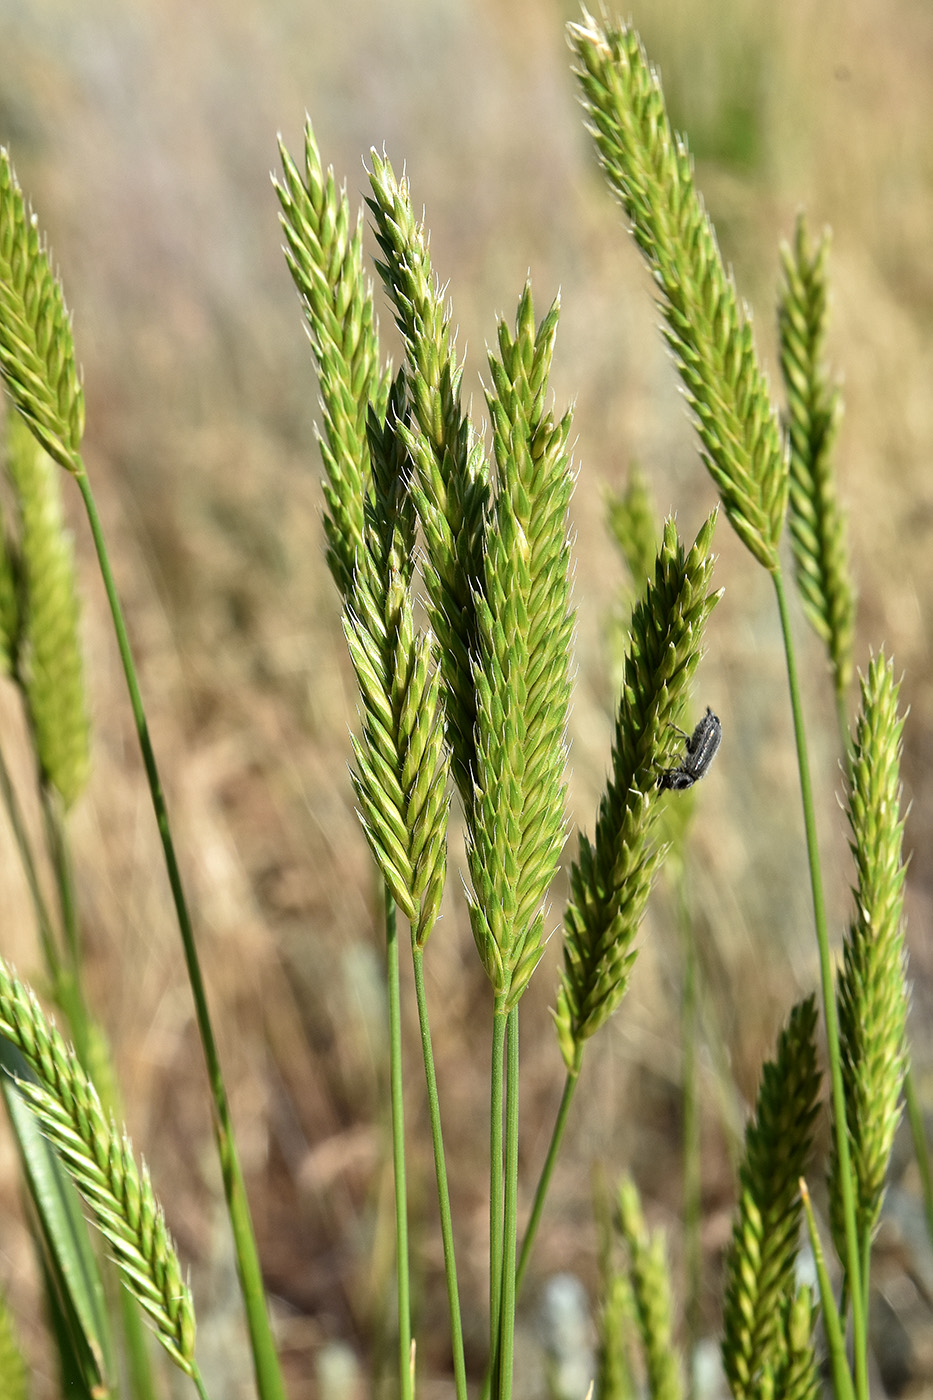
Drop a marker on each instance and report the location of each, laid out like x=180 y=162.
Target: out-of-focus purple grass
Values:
x=144 y=134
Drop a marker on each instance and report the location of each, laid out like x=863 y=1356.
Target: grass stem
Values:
x=403 y=1275
x=827 y=981
x=544 y=1180
x=496 y=1186
x=510 y=1212
x=443 y=1190
x=265 y=1361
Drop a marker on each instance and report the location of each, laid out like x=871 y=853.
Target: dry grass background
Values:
x=144 y=132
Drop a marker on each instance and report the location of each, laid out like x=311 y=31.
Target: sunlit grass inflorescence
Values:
x=817 y=525
x=37 y=354
x=516 y=822
x=451 y=473
x=401 y=760
x=648 y=168
x=612 y=876
x=762 y=1342
x=326 y=262
x=100 y=1161
x=872 y=990
x=45 y=645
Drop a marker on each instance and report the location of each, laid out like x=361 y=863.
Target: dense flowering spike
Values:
x=648 y=168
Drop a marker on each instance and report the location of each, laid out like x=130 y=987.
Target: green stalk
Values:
x=921 y=1149
x=827 y=982
x=510 y=1214
x=499 y=1025
x=265 y=1361
x=405 y=1377
x=544 y=1180
x=689 y=1028
x=842 y=1379
x=440 y=1169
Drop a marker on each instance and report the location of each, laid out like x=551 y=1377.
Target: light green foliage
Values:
x=763 y=1338
x=515 y=828
x=872 y=991
x=817 y=524
x=48 y=662
x=451 y=481
x=649 y=170
x=649 y=1277
x=13 y=1375
x=37 y=354
x=612 y=875
x=100 y=1162
x=326 y=263
x=401 y=763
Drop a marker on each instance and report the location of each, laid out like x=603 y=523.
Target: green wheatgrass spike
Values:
x=451 y=474
x=100 y=1161
x=49 y=662
x=648 y=167
x=401 y=769
x=649 y=1275
x=872 y=994
x=37 y=354
x=612 y=876
x=760 y=1265
x=516 y=822
x=817 y=524
x=326 y=263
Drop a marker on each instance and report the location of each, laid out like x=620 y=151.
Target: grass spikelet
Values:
x=37 y=354
x=651 y=1289
x=49 y=663
x=326 y=263
x=100 y=1162
x=516 y=824
x=401 y=762
x=612 y=876
x=648 y=168
x=760 y=1282
x=451 y=479
x=633 y=523
x=817 y=524
x=872 y=992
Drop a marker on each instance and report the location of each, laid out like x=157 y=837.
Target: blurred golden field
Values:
x=144 y=133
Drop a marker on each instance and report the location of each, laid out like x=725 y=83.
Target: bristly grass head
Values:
x=37 y=353
x=648 y=168
x=612 y=875
x=872 y=994
x=763 y=1341
x=451 y=476
x=516 y=822
x=100 y=1161
x=401 y=760
x=46 y=659
x=650 y=1281
x=326 y=262
x=817 y=524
